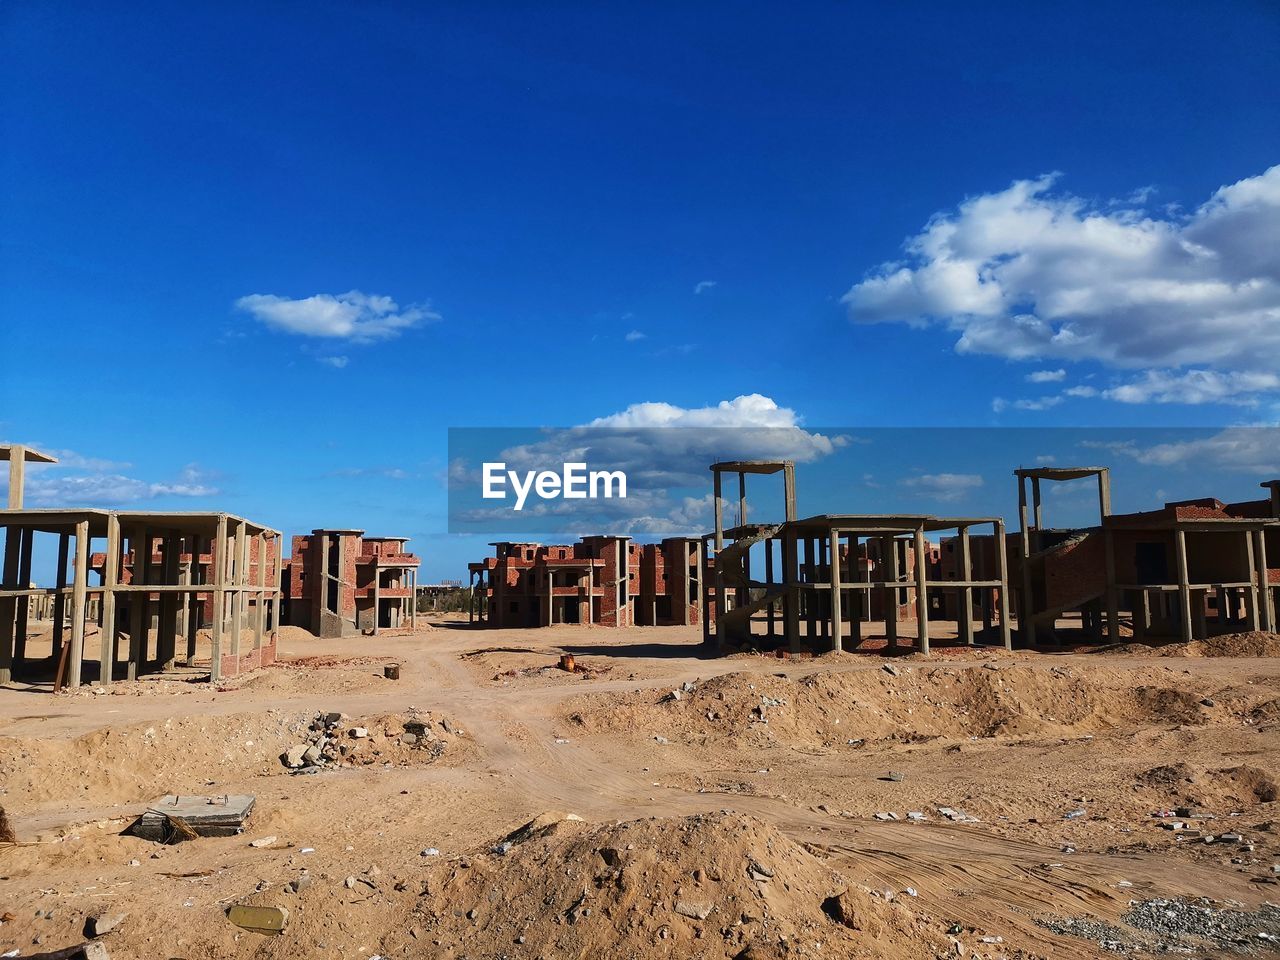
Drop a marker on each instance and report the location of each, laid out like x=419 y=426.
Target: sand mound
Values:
x=192 y=755
x=1252 y=644
x=1219 y=790
x=711 y=885
x=740 y=710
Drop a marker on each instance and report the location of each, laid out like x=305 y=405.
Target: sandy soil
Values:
x=741 y=807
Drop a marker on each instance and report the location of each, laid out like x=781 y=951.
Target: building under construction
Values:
x=340 y=583
x=601 y=581
x=162 y=576
x=833 y=581
x=1185 y=571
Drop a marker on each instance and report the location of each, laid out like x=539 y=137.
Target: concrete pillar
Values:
x=193 y=599
x=966 y=593
x=17 y=475
x=768 y=576
x=59 y=595
x=1251 y=592
x=24 y=601
x=239 y=586
x=837 y=628
x=79 y=586
x=1184 y=587
x=1002 y=574
x=110 y=580
x=1112 y=594
x=1266 y=601
x=889 y=560
x=9 y=581
x=220 y=551
x=922 y=593
x=791 y=600
x=260 y=610
x=139 y=601
x=1026 y=602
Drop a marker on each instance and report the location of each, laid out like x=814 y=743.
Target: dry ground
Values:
x=765 y=777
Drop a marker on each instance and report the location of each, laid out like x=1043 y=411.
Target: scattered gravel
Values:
x=1178 y=925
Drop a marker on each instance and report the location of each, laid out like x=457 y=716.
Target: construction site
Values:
x=861 y=735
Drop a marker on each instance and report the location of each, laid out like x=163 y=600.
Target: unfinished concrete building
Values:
x=150 y=592
x=1187 y=570
x=341 y=583
x=531 y=585
x=825 y=578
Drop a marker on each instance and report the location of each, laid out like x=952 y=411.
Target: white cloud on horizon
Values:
x=353 y=316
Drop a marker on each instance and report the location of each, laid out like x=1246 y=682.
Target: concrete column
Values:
x=1026 y=603
x=24 y=601
x=79 y=585
x=837 y=628
x=1142 y=615
x=1113 y=595
x=239 y=585
x=278 y=549
x=193 y=599
x=9 y=580
x=1184 y=586
x=59 y=597
x=110 y=579
x=890 y=560
x=966 y=593
x=139 y=601
x=1266 y=607
x=1002 y=576
x=768 y=576
x=742 y=499
x=1251 y=591
x=377 y=590
x=170 y=603
x=17 y=475
x=413 y=599
x=260 y=611
x=791 y=600
x=220 y=551
x=922 y=593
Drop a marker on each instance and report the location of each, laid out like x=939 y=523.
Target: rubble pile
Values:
x=333 y=739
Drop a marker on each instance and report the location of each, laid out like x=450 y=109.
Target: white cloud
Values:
x=634 y=336
x=81 y=481
x=1028 y=273
x=1195 y=386
x=664 y=450
x=1254 y=450
x=944 y=486
x=1081 y=391
x=1000 y=404
x=1047 y=376
x=702 y=286
x=354 y=316
x=336 y=362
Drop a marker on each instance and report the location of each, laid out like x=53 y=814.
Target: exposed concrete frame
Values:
x=165 y=582
x=966 y=583
x=1031 y=537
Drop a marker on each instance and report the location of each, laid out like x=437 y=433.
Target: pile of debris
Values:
x=1178 y=925
x=709 y=885
x=332 y=740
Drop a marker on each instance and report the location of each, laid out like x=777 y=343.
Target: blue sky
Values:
x=849 y=209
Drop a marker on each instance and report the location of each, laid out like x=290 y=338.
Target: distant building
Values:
x=602 y=581
x=339 y=582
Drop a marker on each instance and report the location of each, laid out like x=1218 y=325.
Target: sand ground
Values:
x=808 y=751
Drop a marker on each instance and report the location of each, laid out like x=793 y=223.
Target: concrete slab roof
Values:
x=29 y=454
x=955 y=523
x=853 y=521
x=54 y=519
x=1058 y=473
x=752 y=466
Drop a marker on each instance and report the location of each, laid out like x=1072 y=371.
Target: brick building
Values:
x=602 y=581
x=340 y=582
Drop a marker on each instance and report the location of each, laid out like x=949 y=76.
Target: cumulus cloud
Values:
x=353 y=316
x=1245 y=449
x=1195 y=386
x=78 y=481
x=634 y=336
x=1031 y=273
x=944 y=486
x=1047 y=376
x=702 y=286
x=663 y=448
